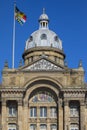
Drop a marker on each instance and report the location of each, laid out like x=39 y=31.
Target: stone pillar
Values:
x=38 y=118
x=4 y=115
x=82 y=115
x=66 y=114
x=60 y=115
x=38 y=126
x=20 y=116
x=48 y=126
x=25 y=116
x=38 y=112
x=48 y=117
x=48 y=112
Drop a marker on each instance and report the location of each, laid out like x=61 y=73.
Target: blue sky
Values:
x=68 y=18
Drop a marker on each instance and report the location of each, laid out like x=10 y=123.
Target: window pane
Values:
x=74 y=127
x=43 y=36
x=33 y=112
x=12 y=127
x=32 y=127
x=74 y=111
x=43 y=127
x=43 y=97
x=54 y=127
x=43 y=112
x=53 y=112
x=12 y=110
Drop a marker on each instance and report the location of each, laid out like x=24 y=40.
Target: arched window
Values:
x=33 y=127
x=43 y=36
x=74 y=127
x=53 y=127
x=43 y=127
x=43 y=97
x=12 y=127
x=31 y=38
x=56 y=38
x=43 y=107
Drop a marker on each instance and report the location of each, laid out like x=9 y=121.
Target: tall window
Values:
x=33 y=127
x=74 y=111
x=43 y=112
x=53 y=112
x=12 y=110
x=43 y=127
x=33 y=112
x=74 y=108
x=74 y=127
x=53 y=127
x=12 y=127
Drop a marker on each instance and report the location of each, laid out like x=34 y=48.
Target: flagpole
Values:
x=13 y=48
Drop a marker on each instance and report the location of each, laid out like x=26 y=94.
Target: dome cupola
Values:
x=44 y=41
x=43 y=37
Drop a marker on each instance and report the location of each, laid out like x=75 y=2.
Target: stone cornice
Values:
x=19 y=90
x=43 y=49
x=74 y=93
x=68 y=90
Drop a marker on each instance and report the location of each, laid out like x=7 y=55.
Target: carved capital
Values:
x=20 y=102
x=60 y=103
x=3 y=102
x=25 y=103
x=82 y=103
x=66 y=102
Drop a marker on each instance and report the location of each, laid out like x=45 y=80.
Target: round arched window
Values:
x=43 y=36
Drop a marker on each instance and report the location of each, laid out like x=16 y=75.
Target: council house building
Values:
x=43 y=93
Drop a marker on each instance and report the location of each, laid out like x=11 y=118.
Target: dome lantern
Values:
x=43 y=20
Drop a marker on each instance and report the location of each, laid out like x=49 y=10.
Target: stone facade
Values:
x=44 y=93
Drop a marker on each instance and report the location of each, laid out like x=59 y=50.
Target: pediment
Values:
x=43 y=65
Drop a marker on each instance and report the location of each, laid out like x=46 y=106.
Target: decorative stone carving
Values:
x=74 y=120
x=66 y=102
x=60 y=103
x=43 y=65
x=20 y=102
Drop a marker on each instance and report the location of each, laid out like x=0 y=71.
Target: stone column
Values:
x=82 y=115
x=38 y=118
x=48 y=126
x=20 y=116
x=48 y=117
x=38 y=126
x=25 y=116
x=60 y=115
x=38 y=112
x=4 y=115
x=66 y=114
x=48 y=112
